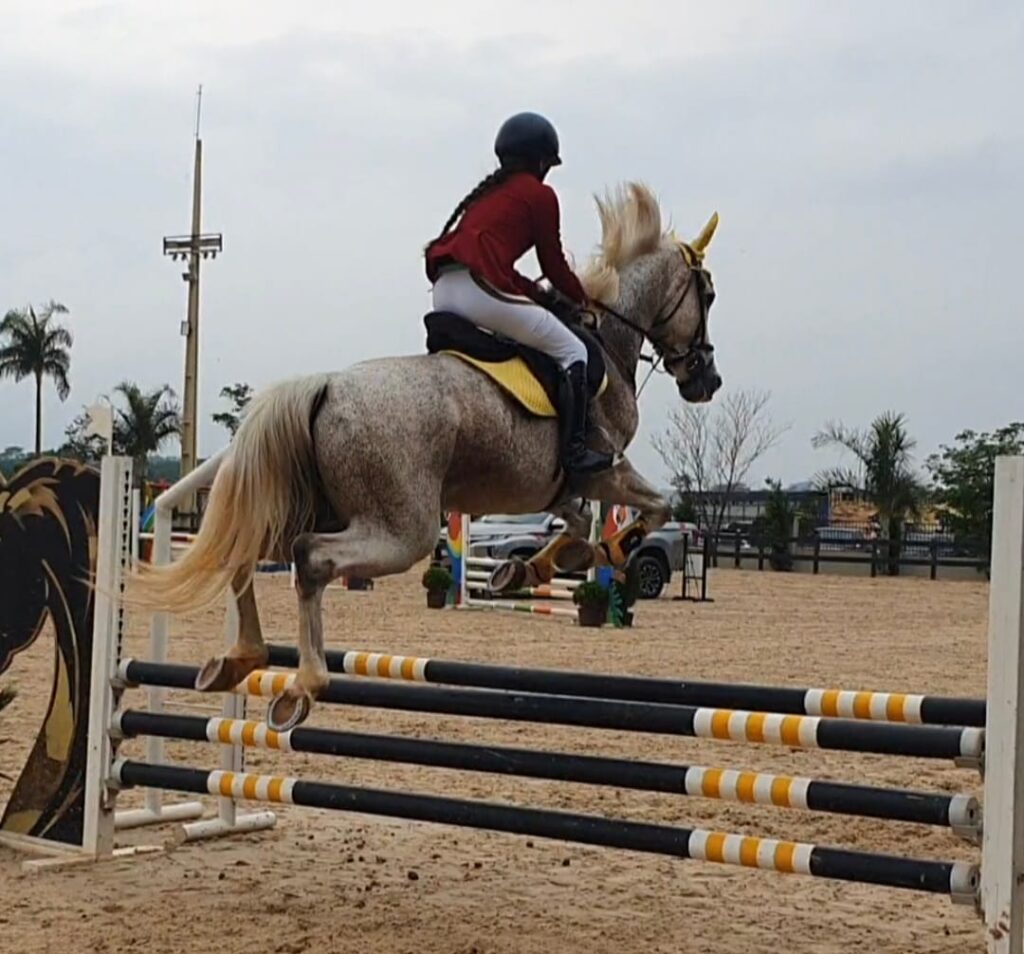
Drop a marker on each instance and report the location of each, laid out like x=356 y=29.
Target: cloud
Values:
x=863 y=157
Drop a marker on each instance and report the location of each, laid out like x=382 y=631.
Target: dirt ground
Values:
x=332 y=882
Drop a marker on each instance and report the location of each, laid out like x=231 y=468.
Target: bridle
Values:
x=699 y=353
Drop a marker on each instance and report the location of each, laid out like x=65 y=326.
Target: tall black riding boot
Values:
x=576 y=457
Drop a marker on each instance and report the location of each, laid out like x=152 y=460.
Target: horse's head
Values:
x=680 y=334
x=659 y=287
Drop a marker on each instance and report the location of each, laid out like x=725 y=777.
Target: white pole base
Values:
x=140 y=817
x=56 y=855
x=47 y=864
x=218 y=828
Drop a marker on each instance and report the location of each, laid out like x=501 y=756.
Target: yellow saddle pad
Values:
x=516 y=379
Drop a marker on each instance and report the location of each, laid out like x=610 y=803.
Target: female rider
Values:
x=472 y=267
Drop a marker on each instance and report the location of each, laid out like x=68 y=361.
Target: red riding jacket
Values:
x=499 y=228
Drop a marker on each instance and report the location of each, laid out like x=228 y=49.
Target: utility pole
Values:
x=192 y=248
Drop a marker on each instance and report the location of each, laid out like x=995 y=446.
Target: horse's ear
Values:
x=702 y=241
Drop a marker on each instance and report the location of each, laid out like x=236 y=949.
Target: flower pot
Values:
x=437 y=599
x=590 y=614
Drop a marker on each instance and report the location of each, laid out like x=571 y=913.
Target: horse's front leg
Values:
x=622 y=485
x=568 y=552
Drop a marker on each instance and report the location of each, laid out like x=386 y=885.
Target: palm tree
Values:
x=36 y=345
x=883 y=473
x=148 y=419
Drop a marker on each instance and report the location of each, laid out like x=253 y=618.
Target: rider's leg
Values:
x=528 y=323
x=513 y=316
x=573 y=397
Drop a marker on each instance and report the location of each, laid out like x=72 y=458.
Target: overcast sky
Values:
x=865 y=159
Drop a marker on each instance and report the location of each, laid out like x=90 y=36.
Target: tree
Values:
x=36 y=345
x=883 y=472
x=11 y=459
x=963 y=477
x=78 y=446
x=775 y=526
x=239 y=395
x=710 y=448
x=808 y=516
x=684 y=510
x=148 y=419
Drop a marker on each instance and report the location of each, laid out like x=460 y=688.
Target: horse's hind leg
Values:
x=224 y=672
x=367 y=549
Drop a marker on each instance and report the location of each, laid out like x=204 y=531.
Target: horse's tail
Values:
x=262 y=496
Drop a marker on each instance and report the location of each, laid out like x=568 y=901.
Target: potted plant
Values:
x=437 y=581
x=592 y=600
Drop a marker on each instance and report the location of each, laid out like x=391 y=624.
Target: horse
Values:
x=348 y=471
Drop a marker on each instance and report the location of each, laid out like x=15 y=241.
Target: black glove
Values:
x=564 y=307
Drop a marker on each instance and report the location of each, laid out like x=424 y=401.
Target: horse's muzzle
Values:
x=701 y=387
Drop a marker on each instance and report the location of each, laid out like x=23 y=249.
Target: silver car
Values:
x=502 y=536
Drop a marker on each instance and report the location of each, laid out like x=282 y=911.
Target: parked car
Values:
x=661 y=554
x=919 y=544
x=504 y=536
x=725 y=542
x=842 y=538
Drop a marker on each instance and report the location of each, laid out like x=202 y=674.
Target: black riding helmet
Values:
x=527 y=136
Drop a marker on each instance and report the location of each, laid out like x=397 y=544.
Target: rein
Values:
x=695 y=355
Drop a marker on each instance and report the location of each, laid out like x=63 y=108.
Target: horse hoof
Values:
x=508 y=577
x=223 y=673
x=289 y=709
x=574 y=557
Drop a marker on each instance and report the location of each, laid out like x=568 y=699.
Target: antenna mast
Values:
x=192 y=248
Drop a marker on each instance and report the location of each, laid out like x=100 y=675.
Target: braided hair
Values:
x=492 y=181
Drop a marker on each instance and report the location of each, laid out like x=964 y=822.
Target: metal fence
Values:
x=877 y=555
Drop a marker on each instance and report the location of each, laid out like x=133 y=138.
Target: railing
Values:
x=877 y=555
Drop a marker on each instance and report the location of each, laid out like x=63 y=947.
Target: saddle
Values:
x=527 y=375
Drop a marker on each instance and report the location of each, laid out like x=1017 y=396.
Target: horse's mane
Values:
x=630 y=227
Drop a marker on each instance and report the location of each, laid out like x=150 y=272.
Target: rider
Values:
x=472 y=267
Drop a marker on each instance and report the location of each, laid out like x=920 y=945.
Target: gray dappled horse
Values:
x=381 y=448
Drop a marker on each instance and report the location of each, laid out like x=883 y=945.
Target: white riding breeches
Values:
x=520 y=319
